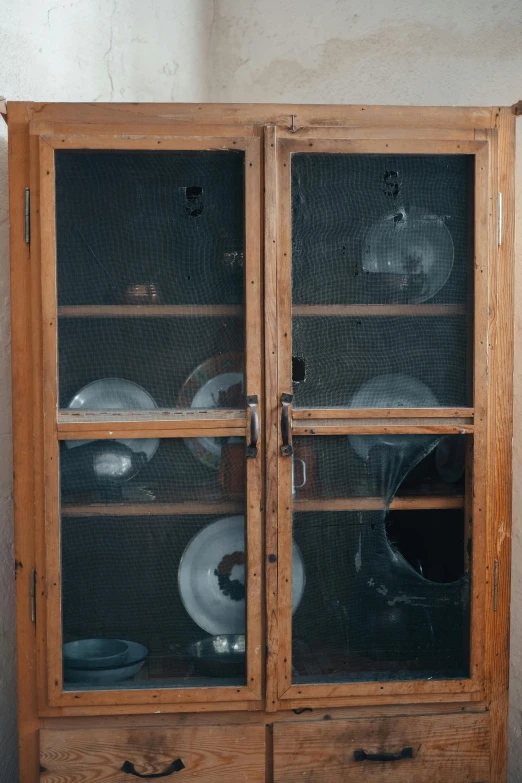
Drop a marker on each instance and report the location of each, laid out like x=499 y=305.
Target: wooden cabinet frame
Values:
x=266 y=134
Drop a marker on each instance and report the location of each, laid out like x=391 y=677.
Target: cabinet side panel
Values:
x=23 y=444
x=499 y=484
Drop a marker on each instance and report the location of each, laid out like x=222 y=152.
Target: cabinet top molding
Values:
x=287 y=115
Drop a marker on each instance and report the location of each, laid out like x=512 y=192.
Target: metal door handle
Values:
x=361 y=755
x=286 y=435
x=175 y=766
x=252 y=402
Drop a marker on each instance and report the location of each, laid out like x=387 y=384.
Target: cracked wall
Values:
x=340 y=51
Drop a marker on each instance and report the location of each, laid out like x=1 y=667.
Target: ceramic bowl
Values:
x=94 y=653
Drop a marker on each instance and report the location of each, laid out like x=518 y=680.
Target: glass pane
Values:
x=150 y=274
x=382 y=260
x=152 y=547
x=380 y=525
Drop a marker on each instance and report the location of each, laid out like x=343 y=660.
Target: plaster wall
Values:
x=431 y=52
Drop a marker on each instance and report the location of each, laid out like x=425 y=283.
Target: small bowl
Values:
x=94 y=653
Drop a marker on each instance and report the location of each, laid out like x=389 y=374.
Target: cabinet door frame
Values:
x=59 y=425
x=311 y=422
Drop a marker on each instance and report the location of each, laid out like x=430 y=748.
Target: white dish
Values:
x=108 y=394
x=414 y=244
x=207 y=397
x=136 y=655
x=220 y=608
x=389 y=391
x=209 y=387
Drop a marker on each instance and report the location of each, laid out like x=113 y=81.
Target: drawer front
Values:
x=209 y=754
x=444 y=749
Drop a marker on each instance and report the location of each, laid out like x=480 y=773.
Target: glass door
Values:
x=152 y=394
x=383 y=318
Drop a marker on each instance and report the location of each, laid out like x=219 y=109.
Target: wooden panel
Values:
x=154 y=419
x=362 y=146
x=151 y=509
x=168 y=430
x=118 y=142
x=428 y=426
x=501 y=402
x=284 y=369
x=445 y=749
x=376 y=504
x=147 y=311
x=209 y=753
x=378 y=310
x=381 y=413
x=271 y=414
x=24 y=380
x=254 y=387
x=207 y=718
x=361 y=115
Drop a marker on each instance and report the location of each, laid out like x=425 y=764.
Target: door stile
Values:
x=254 y=387
x=284 y=314
x=481 y=441
x=50 y=406
x=271 y=412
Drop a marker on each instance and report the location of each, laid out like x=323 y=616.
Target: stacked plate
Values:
x=102 y=661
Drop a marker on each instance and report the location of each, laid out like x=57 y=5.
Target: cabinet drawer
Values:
x=209 y=754
x=444 y=749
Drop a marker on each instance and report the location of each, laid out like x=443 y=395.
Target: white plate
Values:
x=207 y=397
x=411 y=243
x=389 y=391
x=205 y=601
x=135 y=659
x=201 y=390
x=115 y=394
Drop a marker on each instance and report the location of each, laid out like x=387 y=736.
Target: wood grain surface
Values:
x=449 y=749
x=209 y=753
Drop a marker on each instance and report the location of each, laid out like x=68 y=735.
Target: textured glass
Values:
x=150 y=271
x=382 y=250
x=387 y=590
x=129 y=512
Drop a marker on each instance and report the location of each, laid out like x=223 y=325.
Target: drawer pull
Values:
x=176 y=766
x=361 y=755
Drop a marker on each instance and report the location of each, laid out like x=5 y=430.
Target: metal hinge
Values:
x=33 y=596
x=495 y=585
x=27 y=216
x=499 y=214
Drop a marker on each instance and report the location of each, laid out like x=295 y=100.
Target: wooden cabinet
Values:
x=262 y=412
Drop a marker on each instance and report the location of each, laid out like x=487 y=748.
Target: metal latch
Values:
x=27 y=216
x=33 y=595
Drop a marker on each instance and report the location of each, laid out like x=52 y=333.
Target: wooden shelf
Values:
x=362 y=310
x=426 y=502
x=149 y=311
x=198 y=310
x=422 y=502
x=150 y=509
